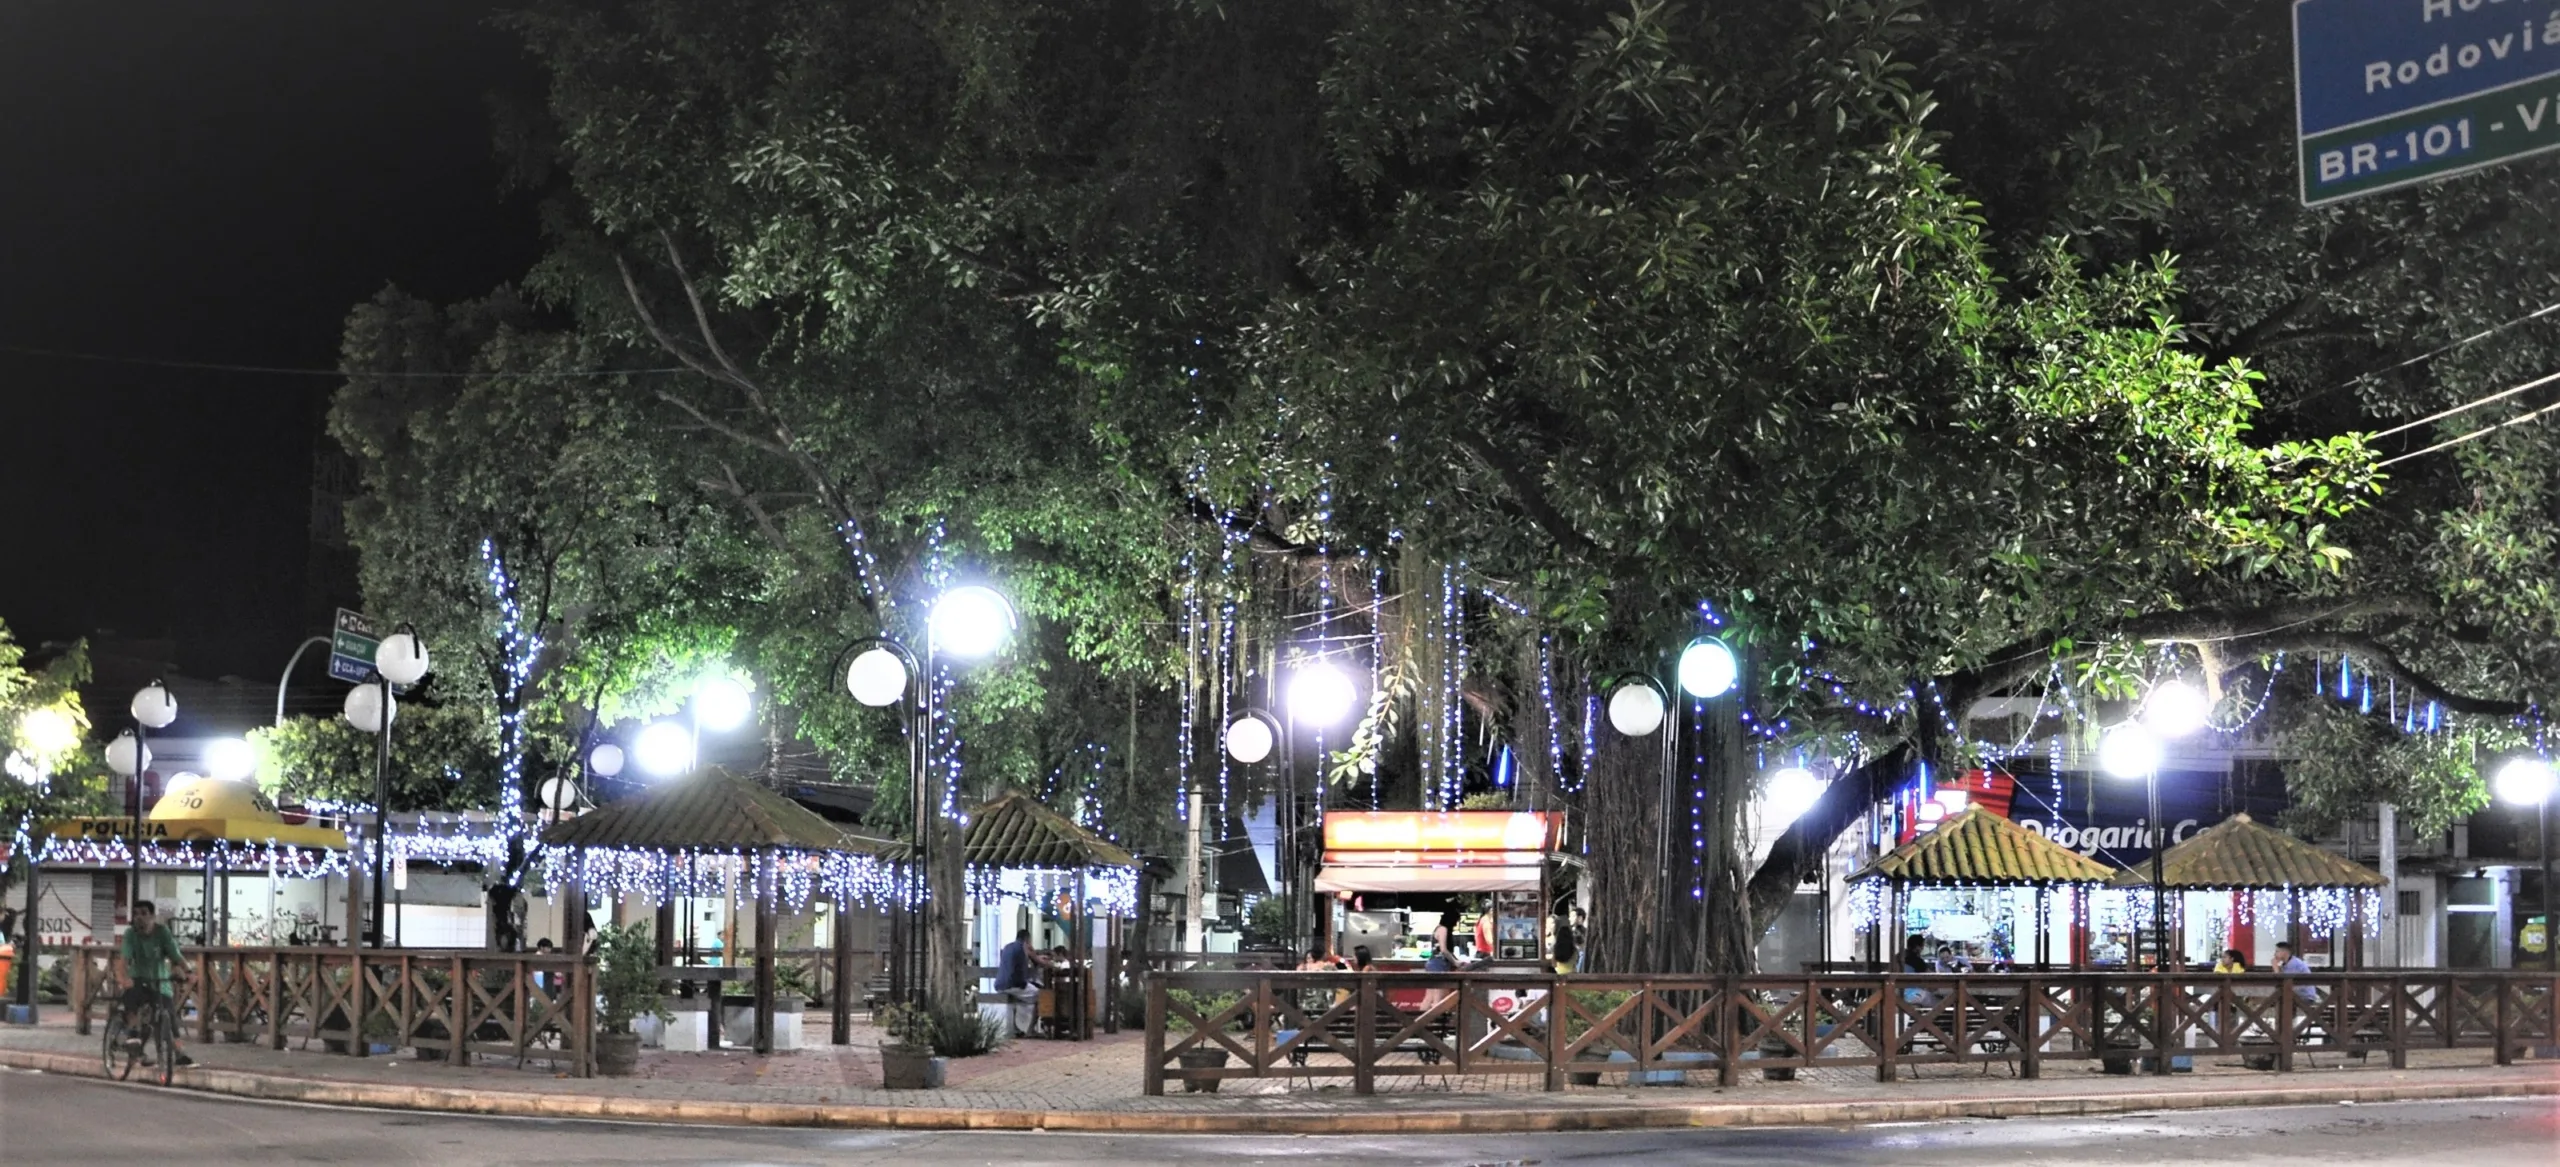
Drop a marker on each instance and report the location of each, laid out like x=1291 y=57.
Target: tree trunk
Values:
x=1621 y=801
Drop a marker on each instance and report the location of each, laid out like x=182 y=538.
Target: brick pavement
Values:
x=1033 y=1083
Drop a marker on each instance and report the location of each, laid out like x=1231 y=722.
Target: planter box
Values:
x=617 y=1054
x=690 y=1031
x=911 y=1070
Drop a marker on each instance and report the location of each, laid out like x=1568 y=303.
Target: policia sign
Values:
x=2393 y=92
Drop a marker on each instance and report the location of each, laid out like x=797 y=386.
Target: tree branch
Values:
x=1532 y=497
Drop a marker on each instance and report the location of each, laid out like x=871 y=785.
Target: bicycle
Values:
x=158 y=1043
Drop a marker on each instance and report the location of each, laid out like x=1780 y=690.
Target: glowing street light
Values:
x=1320 y=695
x=605 y=760
x=664 y=749
x=1250 y=739
x=47 y=732
x=2134 y=750
x=1789 y=792
x=1637 y=708
x=2176 y=709
x=230 y=759
x=2525 y=781
x=1707 y=669
x=877 y=678
x=121 y=755
x=971 y=621
x=721 y=704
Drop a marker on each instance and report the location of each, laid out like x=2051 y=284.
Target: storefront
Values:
x=1390 y=877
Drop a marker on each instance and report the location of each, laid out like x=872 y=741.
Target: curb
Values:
x=518 y=1104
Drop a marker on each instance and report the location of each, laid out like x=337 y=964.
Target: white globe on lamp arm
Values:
x=722 y=704
x=120 y=754
x=605 y=760
x=2525 y=781
x=1636 y=709
x=971 y=621
x=1320 y=694
x=877 y=678
x=2131 y=750
x=401 y=659
x=1250 y=739
x=2176 y=709
x=154 y=707
x=1791 y=791
x=1707 y=669
x=664 y=749
x=230 y=759
x=366 y=710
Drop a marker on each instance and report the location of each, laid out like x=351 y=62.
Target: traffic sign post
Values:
x=352 y=641
x=2388 y=93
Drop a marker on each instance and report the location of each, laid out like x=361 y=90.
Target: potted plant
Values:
x=1207 y=1055
x=792 y=990
x=907 y=1059
x=627 y=984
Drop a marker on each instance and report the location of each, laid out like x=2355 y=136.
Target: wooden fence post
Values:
x=1556 y=1013
x=457 y=997
x=1155 y=1035
x=203 y=991
x=1888 y=1028
x=355 y=1000
x=1364 y=1037
x=2031 y=1031
x=276 y=964
x=2504 y=1041
x=2285 y=1035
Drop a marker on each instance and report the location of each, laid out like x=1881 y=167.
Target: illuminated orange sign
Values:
x=1454 y=830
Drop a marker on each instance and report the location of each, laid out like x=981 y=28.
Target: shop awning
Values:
x=1359 y=878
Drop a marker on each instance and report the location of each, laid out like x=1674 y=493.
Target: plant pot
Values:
x=1201 y=1059
x=911 y=1069
x=1772 y=1050
x=617 y=1054
x=431 y=1030
x=2115 y=1063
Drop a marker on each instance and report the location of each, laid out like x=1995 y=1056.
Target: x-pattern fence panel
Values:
x=450 y=1004
x=1205 y=1026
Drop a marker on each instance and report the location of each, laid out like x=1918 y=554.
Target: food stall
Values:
x=1390 y=876
x=2226 y=881
x=1979 y=884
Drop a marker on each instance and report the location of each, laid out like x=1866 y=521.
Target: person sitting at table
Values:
x=1018 y=979
x=2231 y=962
x=1361 y=960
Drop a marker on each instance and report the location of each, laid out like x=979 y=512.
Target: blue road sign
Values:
x=2393 y=92
x=351 y=643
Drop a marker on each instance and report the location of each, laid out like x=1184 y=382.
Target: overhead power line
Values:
x=2473 y=404
x=2429 y=355
x=2482 y=432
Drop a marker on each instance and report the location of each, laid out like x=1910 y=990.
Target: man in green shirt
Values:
x=152 y=964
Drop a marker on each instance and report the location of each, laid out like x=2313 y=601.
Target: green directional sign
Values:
x=351 y=643
x=2463 y=134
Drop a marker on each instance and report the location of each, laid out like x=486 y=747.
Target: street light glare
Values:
x=1249 y=740
x=2131 y=750
x=1319 y=695
x=2524 y=781
x=1707 y=669
x=2176 y=709
x=971 y=621
x=722 y=704
x=1792 y=790
x=47 y=732
x=877 y=678
x=1635 y=709
x=230 y=759
x=664 y=749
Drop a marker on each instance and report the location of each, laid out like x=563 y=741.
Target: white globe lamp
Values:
x=154 y=707
x=2131 y=750
x=1707 y=669
x=722 y=704
x=1250 y=739
x=877 y=678
x=230 y=759
x=1636 y=709
x=47 y=732
x=401 y=659
x=1791 y=791
x=1319 y=695
x=2176 y=709
x=971 y=621
x=605 y=760
x=365 y=708
x=2524 y=781
x=120 y=755
x=663 y=749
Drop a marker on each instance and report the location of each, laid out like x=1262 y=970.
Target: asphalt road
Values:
x=47 y=1120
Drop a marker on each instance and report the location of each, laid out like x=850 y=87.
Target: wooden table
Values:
x=710 y=975
x=1066 y=1002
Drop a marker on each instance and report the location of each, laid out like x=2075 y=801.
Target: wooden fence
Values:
x=1208 y=1026
x=450 y=1005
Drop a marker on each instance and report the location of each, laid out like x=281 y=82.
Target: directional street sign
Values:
x=351 y=644
x=2393 y=92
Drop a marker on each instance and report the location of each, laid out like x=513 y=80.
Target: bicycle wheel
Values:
x=111 y=1040
x=124 y=1048
x=164 y=1040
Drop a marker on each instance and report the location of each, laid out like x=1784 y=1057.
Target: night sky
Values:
x=216 y=183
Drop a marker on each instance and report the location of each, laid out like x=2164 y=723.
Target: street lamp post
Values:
x=968 y=622
x=153 y=708
x=1639 y=704
x=2531 y=780
x=2133 y=750
x=400 y=659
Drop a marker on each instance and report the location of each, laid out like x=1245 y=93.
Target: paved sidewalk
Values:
x=1096 y=1086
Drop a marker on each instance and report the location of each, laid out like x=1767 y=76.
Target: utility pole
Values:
x=1191 y=938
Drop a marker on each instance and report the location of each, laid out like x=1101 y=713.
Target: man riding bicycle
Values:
x=152 y=966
